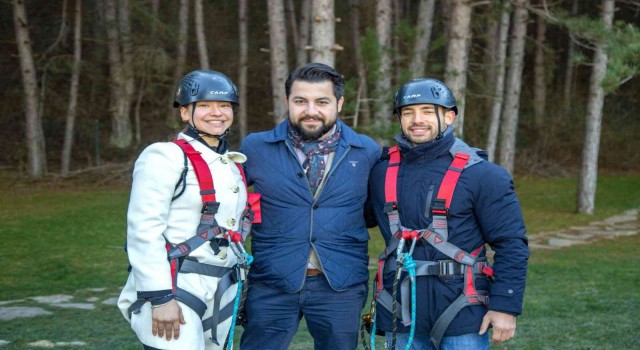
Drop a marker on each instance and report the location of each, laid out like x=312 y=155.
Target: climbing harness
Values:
x=436 y=235
x=209 y=231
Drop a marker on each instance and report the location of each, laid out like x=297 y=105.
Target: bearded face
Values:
x=313 y=109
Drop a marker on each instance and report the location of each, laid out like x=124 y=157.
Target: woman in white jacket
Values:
x=185 y=312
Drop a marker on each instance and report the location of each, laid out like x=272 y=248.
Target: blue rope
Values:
x=236 y=304
x=372 y=336
x=410 y=266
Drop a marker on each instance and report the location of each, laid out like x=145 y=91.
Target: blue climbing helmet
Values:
x=424 y=91
x=205 y=85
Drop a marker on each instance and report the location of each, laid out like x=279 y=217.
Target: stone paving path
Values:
x=85 y=299
x=625 y=224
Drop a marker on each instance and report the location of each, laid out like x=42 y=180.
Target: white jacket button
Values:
x=231 y=222
x=235 y=189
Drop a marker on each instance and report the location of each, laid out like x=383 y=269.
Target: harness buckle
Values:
x=487 y=270
x=439 y=208
x=390 y=206
x=249 y=214
x=210 y=207
x=443 y=266
x=448 y=268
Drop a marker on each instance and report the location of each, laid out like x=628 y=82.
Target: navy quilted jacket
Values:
x=484 y=209
x=293 y=222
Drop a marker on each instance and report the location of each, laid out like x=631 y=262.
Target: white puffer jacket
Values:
x=153 y=219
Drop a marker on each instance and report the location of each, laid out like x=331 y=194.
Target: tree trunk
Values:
x=362 y=98
x=492 y=39
x=568 y=76
x=35 y=136
x=136 y=111
x=278 y=52
x=198 y=13
x=172 y=120
x=120 y=100
x=500 y=55
x=124 y=10
x=243 y=31
x=302 y=55
x=323 y=33
x=69 y=130
x=458 y=57
x=382 y=111
x=398 y=65
x=155 y=13
x=513 y=86
x=539 y=81
x=421 y=47
x=290 y=11
x=589 y=170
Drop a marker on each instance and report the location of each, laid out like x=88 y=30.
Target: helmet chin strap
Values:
x=193 y=127
x=440 y=131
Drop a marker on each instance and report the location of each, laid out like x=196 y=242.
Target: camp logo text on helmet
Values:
x=205 y=85
x=218 y=92
x=410 y=96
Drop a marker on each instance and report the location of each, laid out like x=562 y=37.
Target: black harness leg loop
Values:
x=443 y=322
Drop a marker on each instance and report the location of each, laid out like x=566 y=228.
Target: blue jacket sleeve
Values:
x=500 y=217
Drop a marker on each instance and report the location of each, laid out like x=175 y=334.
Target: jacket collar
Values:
x=221 y=148
x=279 y=133
x=201 y=147
x=430 y=150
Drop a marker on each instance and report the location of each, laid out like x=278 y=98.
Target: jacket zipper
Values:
x=427 y=211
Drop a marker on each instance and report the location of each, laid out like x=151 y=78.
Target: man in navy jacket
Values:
x=310 y=251
x=450 y=253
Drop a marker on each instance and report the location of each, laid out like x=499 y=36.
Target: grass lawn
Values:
x=67 y=241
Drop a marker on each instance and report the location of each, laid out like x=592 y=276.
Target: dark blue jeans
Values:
x=332 y=317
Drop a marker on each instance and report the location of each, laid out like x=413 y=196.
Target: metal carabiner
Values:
x=242 y=259
x=399 y=255
x=413 y=245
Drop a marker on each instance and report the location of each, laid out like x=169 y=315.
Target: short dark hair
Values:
x=316 y=73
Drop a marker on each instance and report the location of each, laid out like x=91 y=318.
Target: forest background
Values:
x=549 y=87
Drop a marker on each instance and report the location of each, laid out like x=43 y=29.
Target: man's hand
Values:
x=166 y=319
x=504 y=326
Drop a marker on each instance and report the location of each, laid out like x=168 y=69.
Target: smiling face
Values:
x=313 y=108
x=420 y=123
x=211 y=117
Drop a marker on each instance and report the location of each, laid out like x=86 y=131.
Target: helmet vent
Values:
x=436 y=91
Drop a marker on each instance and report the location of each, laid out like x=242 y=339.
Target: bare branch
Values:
x=625 y=80
x=61 y=33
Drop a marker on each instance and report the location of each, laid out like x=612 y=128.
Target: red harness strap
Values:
x=445 y=193
x=201 y=168
x=205 y=180
x=391 y=178
x=391 y=203
x=451 y=177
